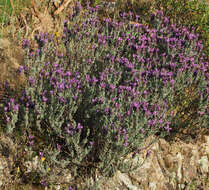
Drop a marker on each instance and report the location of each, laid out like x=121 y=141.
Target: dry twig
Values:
x=38 y=13
x=12 y=4
x=26 y=33
x=62 y=7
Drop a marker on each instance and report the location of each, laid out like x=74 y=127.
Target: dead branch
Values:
x=26 y=33
x=37 y=12
x=13 y=8
x=62 y=7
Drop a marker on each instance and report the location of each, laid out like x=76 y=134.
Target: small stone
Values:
x=204 y=164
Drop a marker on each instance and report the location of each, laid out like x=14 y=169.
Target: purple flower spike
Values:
x=55 y=65
x=6 y=85
x=61 y=99
x=200 y=113
x=44 y=99
x=5 y=109
x=148 y=153
x=123 y=15
x=16 y=107
x=160 y=13
x=60 y=55
x=20 y=69
x=31 y=80
x=79 y=126
x=8 y=120
x=130 y=14
x=105 y=127
x=70 y=188
x=117 y=105
x=75 y=97
x=47 y=64
x=106 y=110
x=128 y=113
x=31 y=143
x=25 y=43
x=12 y=100
x=166 y=20
x=44 y=183
x=136 y=105
x=31 y=136
x=167 y=129
x=101 y=100
x=68 y=73
x=27 y=105
x=172 y=82
x=41 y=154
x=137 y=17
x=125 y=144
x=38 y=112
x=31 y=54
x=46 y=74
x=94 y=80
x=103 y=85
x=41 y=35
x=91 y=143
x=37 y=51
x=58 y=147
x=142 y=130
x=112 y=87
x=65 y=23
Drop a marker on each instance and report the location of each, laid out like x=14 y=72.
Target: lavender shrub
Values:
x=111 y=89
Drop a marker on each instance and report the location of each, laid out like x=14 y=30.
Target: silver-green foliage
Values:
x=110 y=90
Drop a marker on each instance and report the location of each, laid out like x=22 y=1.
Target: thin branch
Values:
x=12 y=4
x=26 y=33
x=62 y=7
